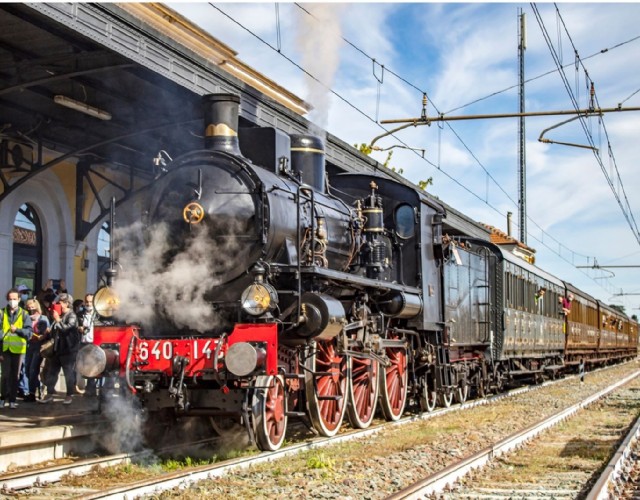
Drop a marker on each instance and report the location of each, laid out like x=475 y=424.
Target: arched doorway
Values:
x=27 y=249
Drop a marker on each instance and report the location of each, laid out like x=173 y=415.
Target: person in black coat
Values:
x=67 y=342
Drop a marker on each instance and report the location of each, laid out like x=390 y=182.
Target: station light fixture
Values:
x=67 y=102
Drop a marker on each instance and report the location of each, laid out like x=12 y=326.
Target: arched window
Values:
x=27 y=249
x=104 y=240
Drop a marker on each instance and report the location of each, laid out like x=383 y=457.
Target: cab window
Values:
x=405 y=221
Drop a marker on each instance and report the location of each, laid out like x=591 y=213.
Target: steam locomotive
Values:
x=343 y=297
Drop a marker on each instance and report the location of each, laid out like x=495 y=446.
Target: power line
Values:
x=547 y=73
x=489 y=175
x=631 y=218
x=358 y=110
x=627 y=213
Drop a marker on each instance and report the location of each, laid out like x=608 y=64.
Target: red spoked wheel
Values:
x=363 y=391
x=393 y=383
x=269 y=409
x=326 y=379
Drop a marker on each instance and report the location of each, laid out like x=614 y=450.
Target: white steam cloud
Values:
x=177 y=288
x=127 y=421
x=319 y=38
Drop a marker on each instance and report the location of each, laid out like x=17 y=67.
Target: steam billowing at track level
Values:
x=259 y=289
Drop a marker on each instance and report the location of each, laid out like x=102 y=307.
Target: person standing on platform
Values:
x=23 y=379
x=86 y=329
x=67 y=342
x=33 y=360
x=16 y=332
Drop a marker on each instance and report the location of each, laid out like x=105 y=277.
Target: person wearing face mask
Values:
x=24 y=295
x=33 y=359
x=86 y=319
x=65 y=330
x=16 y=332
x=23 y=379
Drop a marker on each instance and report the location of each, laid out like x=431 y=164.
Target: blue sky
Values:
x=459 y=53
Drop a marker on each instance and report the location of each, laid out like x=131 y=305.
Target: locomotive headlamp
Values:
x=106 y=302
x=258 y=298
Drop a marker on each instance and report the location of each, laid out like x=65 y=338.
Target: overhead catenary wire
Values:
x=626 y=211
x=489 y=175
x=547 y=73
x=465 y=188
x=438 y=167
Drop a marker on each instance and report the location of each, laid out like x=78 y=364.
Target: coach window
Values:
x=27 y=248
x=405 y=218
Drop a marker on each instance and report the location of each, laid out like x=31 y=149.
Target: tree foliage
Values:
x=367 y=150
x=618 y=308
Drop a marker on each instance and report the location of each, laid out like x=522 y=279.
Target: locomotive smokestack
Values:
x=221 y=123
x=307 y=159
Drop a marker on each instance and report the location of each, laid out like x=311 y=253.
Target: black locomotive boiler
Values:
x=341 y=297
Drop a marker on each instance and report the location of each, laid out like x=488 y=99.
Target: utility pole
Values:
x=522 y=171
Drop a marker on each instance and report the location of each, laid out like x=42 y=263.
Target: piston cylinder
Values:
x=323 y=316
x=400 y=305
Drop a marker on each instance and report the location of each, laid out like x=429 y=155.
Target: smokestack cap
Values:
x=221 y=122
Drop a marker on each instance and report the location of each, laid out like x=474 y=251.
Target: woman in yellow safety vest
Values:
x=16 y=332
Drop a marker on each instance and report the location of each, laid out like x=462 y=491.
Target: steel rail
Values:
x=10 y=483
x=21 y=480
x=41 y=477
x=607 y=485
x=438 y=482
x=185 y=478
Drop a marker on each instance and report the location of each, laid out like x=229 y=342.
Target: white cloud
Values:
x=461 y=52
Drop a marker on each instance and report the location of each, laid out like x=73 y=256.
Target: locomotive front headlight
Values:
x=258 y=299
x=106 y=302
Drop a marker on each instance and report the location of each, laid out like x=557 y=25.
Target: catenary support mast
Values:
x=522 y=170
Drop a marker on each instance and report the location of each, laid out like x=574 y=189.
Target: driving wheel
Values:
x=326 y=380
x=269 y=412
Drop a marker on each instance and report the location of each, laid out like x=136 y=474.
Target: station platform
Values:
x=35 y=433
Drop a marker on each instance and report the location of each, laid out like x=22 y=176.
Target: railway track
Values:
x=44 y=485
x=519 y=474
x=620 y=479
x=41 y=478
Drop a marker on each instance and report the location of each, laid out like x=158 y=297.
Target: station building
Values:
x=90 y=95
x=93 y=98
